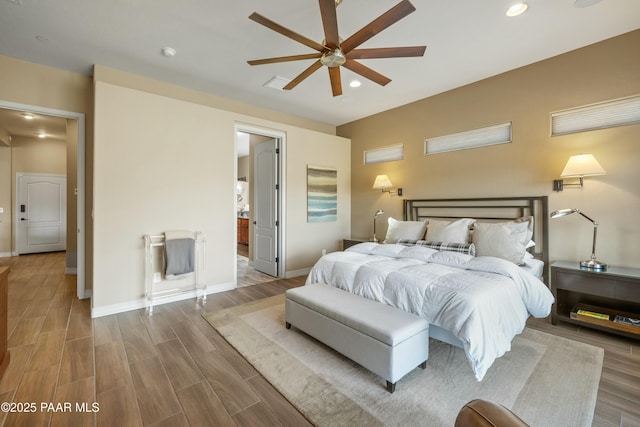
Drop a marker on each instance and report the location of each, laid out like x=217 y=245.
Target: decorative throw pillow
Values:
x=507 y=240
x=465 y=248
x=449 y=231
x=413 y=230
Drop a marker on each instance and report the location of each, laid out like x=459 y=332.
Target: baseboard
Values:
x=70 y=270
x=108 y=310
x=5 y=254
x=296 y=273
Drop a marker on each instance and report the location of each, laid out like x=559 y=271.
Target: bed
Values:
x=476 y=295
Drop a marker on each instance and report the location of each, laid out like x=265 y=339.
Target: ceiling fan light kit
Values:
x=333 y=52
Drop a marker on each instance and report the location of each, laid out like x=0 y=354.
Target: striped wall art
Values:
x=322 y=194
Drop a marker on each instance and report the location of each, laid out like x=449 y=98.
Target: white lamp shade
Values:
x=582 y=165
x=382 y=181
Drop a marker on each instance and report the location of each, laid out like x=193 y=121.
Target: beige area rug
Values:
x=546 y=380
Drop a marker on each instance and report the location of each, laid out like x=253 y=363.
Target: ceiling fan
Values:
x=333 y=52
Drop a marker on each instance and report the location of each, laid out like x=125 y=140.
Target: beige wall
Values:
x=156 y=159
x=35 y=155
x=526 y=167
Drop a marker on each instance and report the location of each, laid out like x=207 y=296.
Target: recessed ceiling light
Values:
x=28 y=116
x=42 y=135
x=517 y=9
x=355 y=83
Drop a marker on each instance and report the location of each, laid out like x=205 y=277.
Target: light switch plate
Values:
x=1 y=210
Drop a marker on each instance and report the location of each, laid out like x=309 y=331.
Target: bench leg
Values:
x=391 y=387
x=287 y=325
x=423 y=365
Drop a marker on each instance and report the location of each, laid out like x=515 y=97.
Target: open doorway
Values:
x=259 y=203
x=20 y=124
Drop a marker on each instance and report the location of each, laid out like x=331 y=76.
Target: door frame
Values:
x=281 y=136
x=16 y=205
x=80 y=184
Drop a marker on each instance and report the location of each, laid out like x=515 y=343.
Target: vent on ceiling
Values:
x=603 y=115
x=277 y=83
x=491 y=135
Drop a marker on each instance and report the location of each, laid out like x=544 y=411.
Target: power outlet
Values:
x=324 y=252
x=157 y=277
x=1 y=210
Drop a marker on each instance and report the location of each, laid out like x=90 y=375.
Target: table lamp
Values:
x=378 y=212
x=592 y=263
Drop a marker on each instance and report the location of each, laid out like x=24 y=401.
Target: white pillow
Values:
x=413 y=230
x=449 y=231
x=507 y=240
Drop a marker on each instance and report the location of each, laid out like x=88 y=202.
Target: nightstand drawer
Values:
x=347 y=243
x=586 y=284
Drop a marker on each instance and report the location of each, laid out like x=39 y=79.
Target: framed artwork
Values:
x=322 y=194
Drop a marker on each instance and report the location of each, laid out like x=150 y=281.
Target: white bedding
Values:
x=483 y=301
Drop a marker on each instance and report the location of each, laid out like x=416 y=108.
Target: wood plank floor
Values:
x=173 y=369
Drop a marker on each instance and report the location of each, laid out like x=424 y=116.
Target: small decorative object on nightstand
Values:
x=605 y=300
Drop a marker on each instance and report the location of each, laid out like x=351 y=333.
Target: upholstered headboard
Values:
x=489 y=210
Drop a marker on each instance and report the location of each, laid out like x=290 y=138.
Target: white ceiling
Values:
x=467 y=40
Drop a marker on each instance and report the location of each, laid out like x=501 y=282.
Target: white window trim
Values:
x=384 y=154
x=481 y=137
x=602 y=115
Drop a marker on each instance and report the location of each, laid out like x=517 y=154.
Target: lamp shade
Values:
x=382 y=181
x=563 y=212
x=582 y=165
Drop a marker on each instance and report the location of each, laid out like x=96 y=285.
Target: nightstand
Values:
x=615 y=291
x=347 y=243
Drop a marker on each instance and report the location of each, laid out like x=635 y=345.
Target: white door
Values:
x=265 y=206
x=41 y=213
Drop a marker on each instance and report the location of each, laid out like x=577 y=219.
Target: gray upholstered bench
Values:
x=387 y=341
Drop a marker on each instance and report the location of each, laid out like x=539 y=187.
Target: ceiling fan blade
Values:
x=336 y=83
x=366 y=72
x=382 y=22
x=284 y=59
x=387 y=52
x=330 y=23
x=306 y=73
x=285 y=31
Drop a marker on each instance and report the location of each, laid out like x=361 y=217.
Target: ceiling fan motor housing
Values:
x=333 y=58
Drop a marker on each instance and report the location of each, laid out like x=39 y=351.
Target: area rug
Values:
x=545 y=379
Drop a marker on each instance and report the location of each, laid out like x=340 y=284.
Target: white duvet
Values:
x=483 y=301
